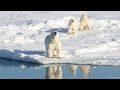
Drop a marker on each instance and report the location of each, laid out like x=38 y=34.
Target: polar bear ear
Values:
x=71 y=20
x=83 y=14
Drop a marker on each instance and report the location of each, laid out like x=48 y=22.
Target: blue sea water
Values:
x=10 y=69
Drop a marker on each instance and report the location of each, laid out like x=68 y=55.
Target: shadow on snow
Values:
x=60 y=30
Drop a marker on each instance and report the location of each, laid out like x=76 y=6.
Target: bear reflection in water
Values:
x=54 y=72
x=85 y=69
x=73 y=68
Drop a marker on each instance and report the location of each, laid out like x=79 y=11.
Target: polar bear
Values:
x=85 y=22
x=72 y=26
x=53 y=44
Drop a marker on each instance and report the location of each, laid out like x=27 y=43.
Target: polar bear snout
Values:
x=55 y=33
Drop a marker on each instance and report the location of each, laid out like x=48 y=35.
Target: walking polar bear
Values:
x=53 y=44
x=85 y=23
x=72 y=26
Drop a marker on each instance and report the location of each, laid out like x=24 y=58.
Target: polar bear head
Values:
x=54 y=34
x=84 y=15
x=71 y=21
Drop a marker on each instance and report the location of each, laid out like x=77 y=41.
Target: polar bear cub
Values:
x=53 y=44
x=72 y=26
x=85 y=23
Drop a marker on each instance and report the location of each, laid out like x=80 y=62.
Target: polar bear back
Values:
x=47 y=40
x=84 y=19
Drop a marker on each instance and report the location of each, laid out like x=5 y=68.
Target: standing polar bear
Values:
x=53 y=44
x=85 y=23
x=72 y=26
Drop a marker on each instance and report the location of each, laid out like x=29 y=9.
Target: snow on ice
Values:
x=22 y=37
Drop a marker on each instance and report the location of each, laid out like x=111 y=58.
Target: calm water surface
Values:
x=10 y=69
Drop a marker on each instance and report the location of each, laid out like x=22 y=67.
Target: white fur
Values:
x=72 y=26
x=85 y=23
x=53 y=43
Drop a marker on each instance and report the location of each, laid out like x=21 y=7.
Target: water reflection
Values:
x=54 y=72
x=10 y=69
x=73 y=68
x=85 y=69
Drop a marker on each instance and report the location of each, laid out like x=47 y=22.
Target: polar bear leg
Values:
x=70 y=31
x=55 y=52
x=59 y=53
x=50 y=51
x=89 y=27
x=74 y=31
x=81 y=27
